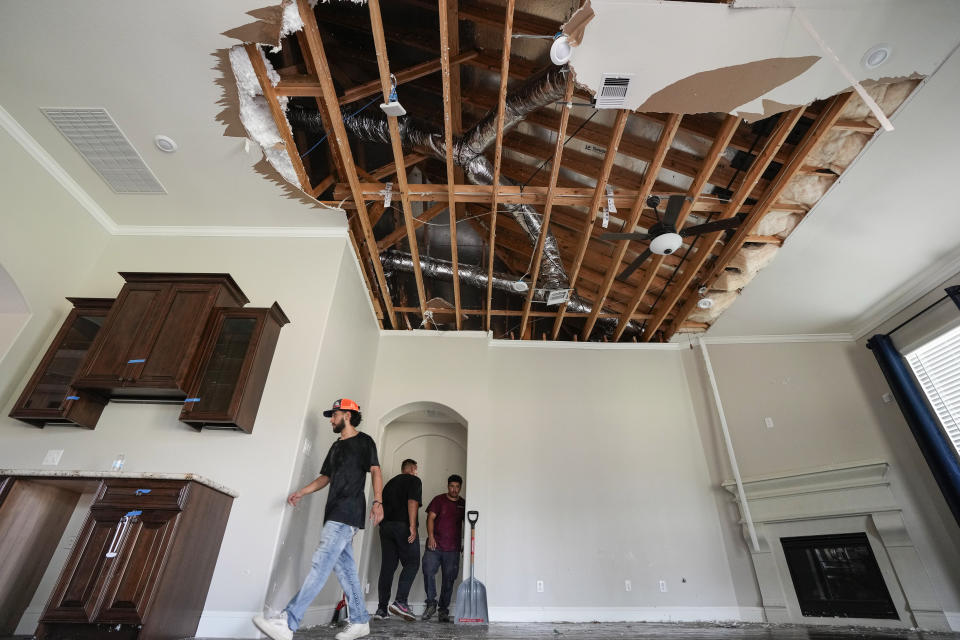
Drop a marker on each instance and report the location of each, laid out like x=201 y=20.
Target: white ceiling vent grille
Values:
x=614 y=89
x=101 y=143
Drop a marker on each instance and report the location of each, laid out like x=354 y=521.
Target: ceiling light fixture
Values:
x=705 y=303
x=561 y=50
x=666 y=243
x=165 y=143
x=876 y=56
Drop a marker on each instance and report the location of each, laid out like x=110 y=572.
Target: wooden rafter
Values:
x=599 y=194
x=339 y=170
x=548 y=207
x=315 y=50
x=498 y=153
x=279 y=118
x=379 y=42
x=713 y=156
x=779 y=135
x=388 y=170
x=814 y=135
x=448 y=125
x=649 y=177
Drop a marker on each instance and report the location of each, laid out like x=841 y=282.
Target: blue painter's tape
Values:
x=73 y=397
x=192 y=400
x=136 y=360
x=142 y=492
x=130 y=514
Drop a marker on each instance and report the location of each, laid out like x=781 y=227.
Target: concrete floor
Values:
x=433 y=630
x=398 y=629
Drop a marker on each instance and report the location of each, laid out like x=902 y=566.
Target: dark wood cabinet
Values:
x=168 y=337
x=50 y=396
x=151 y=335
x=233 y=362
x=139 y=573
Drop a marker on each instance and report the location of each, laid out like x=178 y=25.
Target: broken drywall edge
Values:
x=575 y=27
x=690 y=38
x=770 y=107
x=726 y=88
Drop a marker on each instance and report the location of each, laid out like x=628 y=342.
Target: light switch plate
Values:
x=53 y=457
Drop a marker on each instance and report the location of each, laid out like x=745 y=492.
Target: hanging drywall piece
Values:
x=706 y=57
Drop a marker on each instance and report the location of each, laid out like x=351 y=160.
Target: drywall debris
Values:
x=577 y=24
x=268 y=28
x=770 y=107
x=727 y=88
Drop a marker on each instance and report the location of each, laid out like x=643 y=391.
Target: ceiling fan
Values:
x=663 y=236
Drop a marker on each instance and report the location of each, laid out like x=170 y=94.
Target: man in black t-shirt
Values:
x=399 y=540
x=345 y=471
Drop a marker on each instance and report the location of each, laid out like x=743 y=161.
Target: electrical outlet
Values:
x=663 y=586
x=887 y=398
x=768 y=422
x=53 y=457
x=627 y=586
x=539 y=586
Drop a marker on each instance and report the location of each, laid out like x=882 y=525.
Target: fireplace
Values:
x=833 y=544
x=837 y=576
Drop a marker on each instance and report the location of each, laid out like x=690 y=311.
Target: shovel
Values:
x=472 y=595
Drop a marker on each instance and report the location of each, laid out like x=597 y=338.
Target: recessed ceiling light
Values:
x=165 y=144
x=876 y=56
x=561 y=50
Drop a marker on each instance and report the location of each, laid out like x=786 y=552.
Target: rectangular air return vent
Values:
x=99 y=140
x=613 y=91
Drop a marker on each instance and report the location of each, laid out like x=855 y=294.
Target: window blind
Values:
x=936 y=365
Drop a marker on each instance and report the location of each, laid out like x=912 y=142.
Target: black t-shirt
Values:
x=402 y=487
x=347 y=464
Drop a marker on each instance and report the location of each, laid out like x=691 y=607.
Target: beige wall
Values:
x=301 y=274
x=48 y=244
x=826 y=403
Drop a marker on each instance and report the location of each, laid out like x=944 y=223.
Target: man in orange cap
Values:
x=345 y=471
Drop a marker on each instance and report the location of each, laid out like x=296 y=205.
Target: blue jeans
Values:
x=335 y=552
x=449 y=564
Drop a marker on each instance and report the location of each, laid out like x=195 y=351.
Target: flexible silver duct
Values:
x=545 y=88
x=477 y=277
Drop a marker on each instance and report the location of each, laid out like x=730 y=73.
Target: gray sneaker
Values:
x=429 y=611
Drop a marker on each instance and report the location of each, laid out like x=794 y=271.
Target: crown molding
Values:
x=780 y=339
x=232 y=232
x=57 y=172
x=907 y=294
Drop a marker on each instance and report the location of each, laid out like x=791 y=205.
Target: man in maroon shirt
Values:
x=444 y=543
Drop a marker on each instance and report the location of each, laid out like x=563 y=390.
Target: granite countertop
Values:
x=144 y=475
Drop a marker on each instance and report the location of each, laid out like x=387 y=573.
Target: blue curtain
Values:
x=934 y=445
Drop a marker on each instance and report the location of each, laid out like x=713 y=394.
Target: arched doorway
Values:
x=14 y=312
x=436 y=437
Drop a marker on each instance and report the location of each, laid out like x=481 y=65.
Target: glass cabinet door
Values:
x=219 y=378
x=50 y=397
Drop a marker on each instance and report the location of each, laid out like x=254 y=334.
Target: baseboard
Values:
x=953 y=617
x=625 y=614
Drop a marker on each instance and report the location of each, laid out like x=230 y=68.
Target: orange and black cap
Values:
x=343 y=404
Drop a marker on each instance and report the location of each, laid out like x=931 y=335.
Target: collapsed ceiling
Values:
x=533 y=258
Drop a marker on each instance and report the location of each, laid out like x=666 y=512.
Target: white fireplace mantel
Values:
x=850 y=498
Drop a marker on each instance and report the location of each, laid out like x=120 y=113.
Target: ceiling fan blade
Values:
x=716 y=225
x=674 y=205
x=633 y=266
x=624 y=236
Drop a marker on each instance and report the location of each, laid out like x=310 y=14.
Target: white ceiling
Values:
x=149 y=64
x=891 y=221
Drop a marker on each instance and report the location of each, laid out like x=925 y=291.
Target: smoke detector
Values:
x=705 y=303
x=876 y=56
x=666 y=243
x=165 y=143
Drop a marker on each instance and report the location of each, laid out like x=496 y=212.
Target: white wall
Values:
x=301 y=274
x=48 y=244
x=343 y=369
x=587 y=468
x=825 y=400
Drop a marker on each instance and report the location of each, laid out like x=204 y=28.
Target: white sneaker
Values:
x=276 y=627
x=354 y=630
